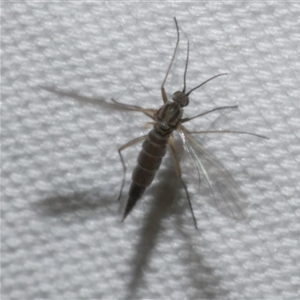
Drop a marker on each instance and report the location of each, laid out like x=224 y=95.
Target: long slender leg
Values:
x=220 y=131
x=174 y=156
x=128 y=144
x=230 y=131
x=178 y=173
x=147 y=111
x=207 y=112
x=163 y=92
x=150 y=123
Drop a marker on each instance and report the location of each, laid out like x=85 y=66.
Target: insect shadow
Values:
x=165 y=194
x=169 y=117
x=73 y=202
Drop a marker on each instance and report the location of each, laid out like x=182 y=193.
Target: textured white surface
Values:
x=61 y=235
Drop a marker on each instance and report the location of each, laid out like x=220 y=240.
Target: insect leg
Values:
x=230 y=131
x=147 y=111
x=163 y=92
x=219 y=131
x=178 y=173
x=206 y=112
x=128 y=144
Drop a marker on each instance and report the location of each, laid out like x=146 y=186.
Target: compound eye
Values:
x=181 y=98
x=176 y=96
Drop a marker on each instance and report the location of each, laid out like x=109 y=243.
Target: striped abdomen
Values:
x=149 y=160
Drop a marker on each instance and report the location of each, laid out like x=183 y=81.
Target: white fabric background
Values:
x=61 y=234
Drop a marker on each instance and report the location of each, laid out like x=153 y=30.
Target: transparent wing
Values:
x=226 y=195
x=99 y=101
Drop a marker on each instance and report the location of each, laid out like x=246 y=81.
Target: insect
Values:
x=165 y=120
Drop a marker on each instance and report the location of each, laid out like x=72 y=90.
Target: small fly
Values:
x=165 y=120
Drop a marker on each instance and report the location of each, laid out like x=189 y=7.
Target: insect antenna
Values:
x=206 y=81
x=174 y=54
x=185 y=69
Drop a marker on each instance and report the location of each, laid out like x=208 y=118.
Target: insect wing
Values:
x=100 y=101
x=226 y=195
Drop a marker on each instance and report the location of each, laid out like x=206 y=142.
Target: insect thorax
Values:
x=168 y=117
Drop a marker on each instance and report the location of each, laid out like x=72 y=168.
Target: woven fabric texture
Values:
x=61 y=235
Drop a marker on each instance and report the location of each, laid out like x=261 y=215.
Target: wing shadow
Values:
x=71 y=203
